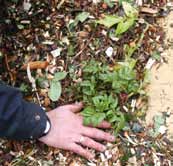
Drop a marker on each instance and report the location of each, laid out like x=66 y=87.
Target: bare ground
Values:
x=161 y=88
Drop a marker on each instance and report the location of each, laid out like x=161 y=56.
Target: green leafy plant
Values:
x=100 y=89
x=55 y=86
x=123 y=23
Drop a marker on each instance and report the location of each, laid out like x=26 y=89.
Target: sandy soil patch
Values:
x=161 y=88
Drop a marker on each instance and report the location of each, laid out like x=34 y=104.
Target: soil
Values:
x=33 y=35
x=161 y=87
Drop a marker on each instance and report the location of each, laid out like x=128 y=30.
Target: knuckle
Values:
x=90 y=132
x=86 y=141
x=98 y=147
x=102 y=134
x=107 y=136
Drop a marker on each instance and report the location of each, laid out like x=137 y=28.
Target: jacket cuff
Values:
x=34 y=122
x=19 y=120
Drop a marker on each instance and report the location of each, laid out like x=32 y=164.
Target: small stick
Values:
x=32 y=81
x=8 y=68
x=81 y=51
x=60 y=4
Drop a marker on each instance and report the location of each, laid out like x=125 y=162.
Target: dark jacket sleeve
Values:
x=19 y=120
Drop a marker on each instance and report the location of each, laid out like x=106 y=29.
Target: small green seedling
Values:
x=55 y=86
x=123 y=23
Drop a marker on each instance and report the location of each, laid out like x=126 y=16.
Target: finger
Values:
x=103 y=125
x=76 y=107
x=81 y=151
x=92 y=144
x=98 y=134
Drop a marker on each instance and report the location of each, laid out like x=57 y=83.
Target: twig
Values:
x=60 y=4
x=32 y=81
x=8 y=67
x=81 y=51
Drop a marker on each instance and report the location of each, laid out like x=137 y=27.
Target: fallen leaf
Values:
x=35 y=65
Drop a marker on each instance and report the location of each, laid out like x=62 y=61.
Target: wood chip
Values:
x=148 y=10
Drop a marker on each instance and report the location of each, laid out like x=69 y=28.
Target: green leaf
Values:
x=55 y=90
x=113 y=102
x=121 y=1
x=98 y=118
x=24 y=88
x=120 y=124
x=129 y=10
x=129 y=50
x=103 y=103
x=156 y=56
x=107 y=77
x=42 y=82
x=110 y=20
x=82 y=16
x=132 y=87
x=109 y=113
x=71 y=50
x=126 y=73
x=94 y=120
x=20 y=26
x=159 y=120
x=86 y=83
x=131 y=63
x=110 y=3
x=124 y=26
x=114 y=118
x=92 y=67
x=87 y=121
x=88 y=111
x=60 y=75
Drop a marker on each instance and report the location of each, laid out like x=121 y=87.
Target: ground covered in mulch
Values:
x=89 y=43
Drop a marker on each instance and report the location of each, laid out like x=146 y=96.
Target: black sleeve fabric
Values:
x=19 y=120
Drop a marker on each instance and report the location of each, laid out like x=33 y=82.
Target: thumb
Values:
x=76 y=107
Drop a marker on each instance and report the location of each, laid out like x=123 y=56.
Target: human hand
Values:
x=68 y=132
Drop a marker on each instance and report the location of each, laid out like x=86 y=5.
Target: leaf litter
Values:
x=72 y=47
